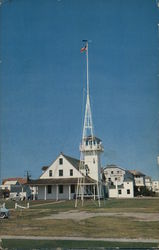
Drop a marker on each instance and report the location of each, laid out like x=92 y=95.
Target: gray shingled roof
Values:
x=136 y=173
x=94 y=138
x=113 y=166
x=73 y=161
x=62 y=181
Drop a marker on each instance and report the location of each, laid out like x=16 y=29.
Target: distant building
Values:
x=155 y=186
x=139 y=178
x=9 y=182
x=16 y=186
x=120 y=183
x=148 y=182
x=125 y=190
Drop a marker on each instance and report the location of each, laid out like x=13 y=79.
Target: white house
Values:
x=125 y=190
x=17 y=186
x=59 y=180
x=139 y=178
x=155 y=186
x=115 y=174
x=148 y=182
x=119 y=181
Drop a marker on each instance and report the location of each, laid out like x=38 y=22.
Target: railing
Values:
x=91 y=147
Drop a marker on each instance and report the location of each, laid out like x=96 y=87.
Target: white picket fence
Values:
x=22 y=207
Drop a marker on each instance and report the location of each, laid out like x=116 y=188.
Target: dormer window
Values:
x=60 y=161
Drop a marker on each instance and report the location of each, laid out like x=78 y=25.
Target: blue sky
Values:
x=43 y=76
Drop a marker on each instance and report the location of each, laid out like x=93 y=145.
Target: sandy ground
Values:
x=82 y=215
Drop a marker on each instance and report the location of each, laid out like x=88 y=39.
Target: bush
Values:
x=143 y=191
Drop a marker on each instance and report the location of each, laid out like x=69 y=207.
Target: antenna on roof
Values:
x=28 y=175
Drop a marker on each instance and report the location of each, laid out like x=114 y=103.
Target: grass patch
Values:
x=113 y=227
x=25 y=222
x=43 y=244
x=111 y=205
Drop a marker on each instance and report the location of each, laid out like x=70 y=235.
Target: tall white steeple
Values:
x=91 y=146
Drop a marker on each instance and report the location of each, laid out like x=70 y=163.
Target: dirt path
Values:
x=80 y=238
x=82 y=215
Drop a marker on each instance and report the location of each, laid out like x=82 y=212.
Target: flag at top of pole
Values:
x=83 y=49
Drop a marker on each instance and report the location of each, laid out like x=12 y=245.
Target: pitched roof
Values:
x=60 y=181
x=75 y=162
x=128 y=179
x=11 y=182
x=18 y=179
x=113 y=166
x=92 y=137
x=147 y=177
x=136 y=173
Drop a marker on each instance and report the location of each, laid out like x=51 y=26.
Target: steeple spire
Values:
x=90 y=148
x=88 y=124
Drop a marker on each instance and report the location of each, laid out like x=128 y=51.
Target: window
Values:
x=71 y=172
x=112 y=172
x=61 y=161
x=72 y=189
x=118 y=172
x=128 y=191
x=49 y=189
x=60 y=172
x=94 y=161
x=109 y=179
x=50 y=173
x=116 y=178
x=60 y=189
x=119 y=191
x=90 y=142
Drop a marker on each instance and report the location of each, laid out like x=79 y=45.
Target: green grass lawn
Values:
x=26 y=222
x=49 y=244
x=124 y=205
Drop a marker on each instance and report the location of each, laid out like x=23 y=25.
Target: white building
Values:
x=119 y=181
x=115 y=174
x=155 y=186
x=125 y=190
x=17 y=186
x=139 y=178
x=148 y=182
x=59 y=180
x=67 y=176
x=9 y=184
